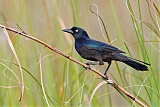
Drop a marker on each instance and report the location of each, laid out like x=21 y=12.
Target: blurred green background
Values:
x=65 y=82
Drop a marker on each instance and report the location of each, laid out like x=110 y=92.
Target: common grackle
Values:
x=95 y=50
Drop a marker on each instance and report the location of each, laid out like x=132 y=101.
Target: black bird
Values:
x=95 y=50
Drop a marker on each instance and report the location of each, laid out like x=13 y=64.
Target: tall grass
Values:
x=133 y=26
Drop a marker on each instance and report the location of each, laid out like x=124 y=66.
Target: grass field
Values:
x=52 y=80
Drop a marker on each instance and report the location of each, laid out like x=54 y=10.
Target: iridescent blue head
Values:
x=77 y=32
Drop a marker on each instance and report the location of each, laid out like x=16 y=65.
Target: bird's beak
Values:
x=68 y=31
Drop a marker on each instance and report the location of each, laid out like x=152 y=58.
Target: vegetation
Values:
x=132 y=26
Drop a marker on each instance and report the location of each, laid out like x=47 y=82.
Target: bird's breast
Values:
x=85 y=52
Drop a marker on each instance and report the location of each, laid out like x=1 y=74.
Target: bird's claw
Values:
x=106 y=78
x=87 y=68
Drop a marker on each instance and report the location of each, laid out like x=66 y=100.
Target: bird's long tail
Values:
x=136 y=64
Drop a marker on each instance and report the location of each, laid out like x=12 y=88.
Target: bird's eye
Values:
x=76 y=30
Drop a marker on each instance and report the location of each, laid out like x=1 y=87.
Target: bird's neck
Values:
x=82 y=38
x=81 y=35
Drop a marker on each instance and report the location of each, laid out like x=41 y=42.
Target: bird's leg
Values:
x=101 y=62
x=109 y=64
x=90 y=63
x=106 y=78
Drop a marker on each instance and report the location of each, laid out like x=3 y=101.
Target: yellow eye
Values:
x=76 y=30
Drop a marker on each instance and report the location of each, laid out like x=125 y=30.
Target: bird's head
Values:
x=77 y=32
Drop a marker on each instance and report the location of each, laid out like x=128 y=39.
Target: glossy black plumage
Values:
x=94 y=50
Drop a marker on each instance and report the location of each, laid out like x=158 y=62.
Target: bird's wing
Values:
x=100 y=46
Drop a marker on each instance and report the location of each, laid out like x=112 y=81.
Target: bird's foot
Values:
x=87 y=68
x=105 y=78
x=90 y=63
